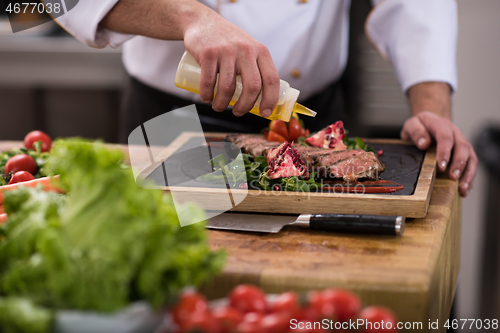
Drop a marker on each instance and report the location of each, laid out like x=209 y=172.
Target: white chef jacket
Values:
x=308 y=41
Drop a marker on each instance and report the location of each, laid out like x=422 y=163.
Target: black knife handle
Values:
x=359 y=224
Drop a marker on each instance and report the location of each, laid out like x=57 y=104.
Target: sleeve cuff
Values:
x=83 y=23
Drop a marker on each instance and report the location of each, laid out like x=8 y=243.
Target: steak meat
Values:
x=251 y=144
x=348 y=164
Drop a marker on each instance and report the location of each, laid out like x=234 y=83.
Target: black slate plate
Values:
x=402 y=165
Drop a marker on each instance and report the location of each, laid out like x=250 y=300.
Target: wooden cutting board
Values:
x=405 y=164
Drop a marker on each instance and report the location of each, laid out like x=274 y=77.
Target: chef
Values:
x=304 y=42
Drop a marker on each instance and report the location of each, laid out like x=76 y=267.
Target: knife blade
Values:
x=273 y=223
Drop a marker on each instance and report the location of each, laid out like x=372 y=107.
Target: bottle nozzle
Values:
x=301 y=109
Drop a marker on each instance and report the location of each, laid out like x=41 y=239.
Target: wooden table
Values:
x=414 y=275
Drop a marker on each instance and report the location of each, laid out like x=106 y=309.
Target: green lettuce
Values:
x=104 y=244
x=20 y=315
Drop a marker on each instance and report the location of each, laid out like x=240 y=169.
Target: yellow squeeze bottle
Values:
x=188 y=78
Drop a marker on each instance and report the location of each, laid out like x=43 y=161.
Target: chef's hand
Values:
x=221 y=47
x=430 y=103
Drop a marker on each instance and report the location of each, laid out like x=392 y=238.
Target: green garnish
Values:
x=355 y=142
x=256 y=175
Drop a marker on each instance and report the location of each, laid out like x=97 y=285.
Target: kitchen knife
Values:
x=273 y=223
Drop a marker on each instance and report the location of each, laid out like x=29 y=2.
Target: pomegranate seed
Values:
x=243 y=186
x=380 y=152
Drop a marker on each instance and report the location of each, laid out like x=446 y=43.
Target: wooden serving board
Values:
x=413 y=201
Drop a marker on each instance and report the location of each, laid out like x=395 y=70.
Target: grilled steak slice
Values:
x=237 y=138
x=349 y=165
x=259 y=149
x=252 y=144
x=364 y=165
x=319 y=160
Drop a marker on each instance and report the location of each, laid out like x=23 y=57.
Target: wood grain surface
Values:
x=287 y=202
x=414 y=275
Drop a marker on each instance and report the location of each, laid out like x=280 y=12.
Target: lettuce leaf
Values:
x=20 y=315
x=105 y=243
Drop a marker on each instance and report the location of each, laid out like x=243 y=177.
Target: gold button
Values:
x=296 y=73
x=232 y=0
x=303 y=1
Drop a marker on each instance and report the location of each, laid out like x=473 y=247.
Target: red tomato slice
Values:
x=21 y=176
x=294 y=129
x=251 y=323
x=324 y=309
x=202 y=322
x=308 y=313
x=287 y=303
x=279 y=127
x=229 y=318
x=247 y=298
x=375 y=315
x=345 y=303
x=275 y=323
x=249 y=327
x=189 y=303
x=273 y=136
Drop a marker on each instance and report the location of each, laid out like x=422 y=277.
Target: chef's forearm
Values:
x=430 y=96
x=161 y=19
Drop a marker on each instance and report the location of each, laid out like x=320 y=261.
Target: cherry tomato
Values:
x=273 y=136
x=201 y=321
x=345 y=303
x=266 y=134
x=279 y=127
x=21 y=176
x=287 y=302
x=253 y=317
x=377 y=314
x=189 y=303
x=246 y=327
x=247 y=298
x=308 y=313
x=21 y=162
x=294 y=129
x=228 y=318
x=325 y=309
x=35 y=136
x=251 y=323
x=275 y=323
